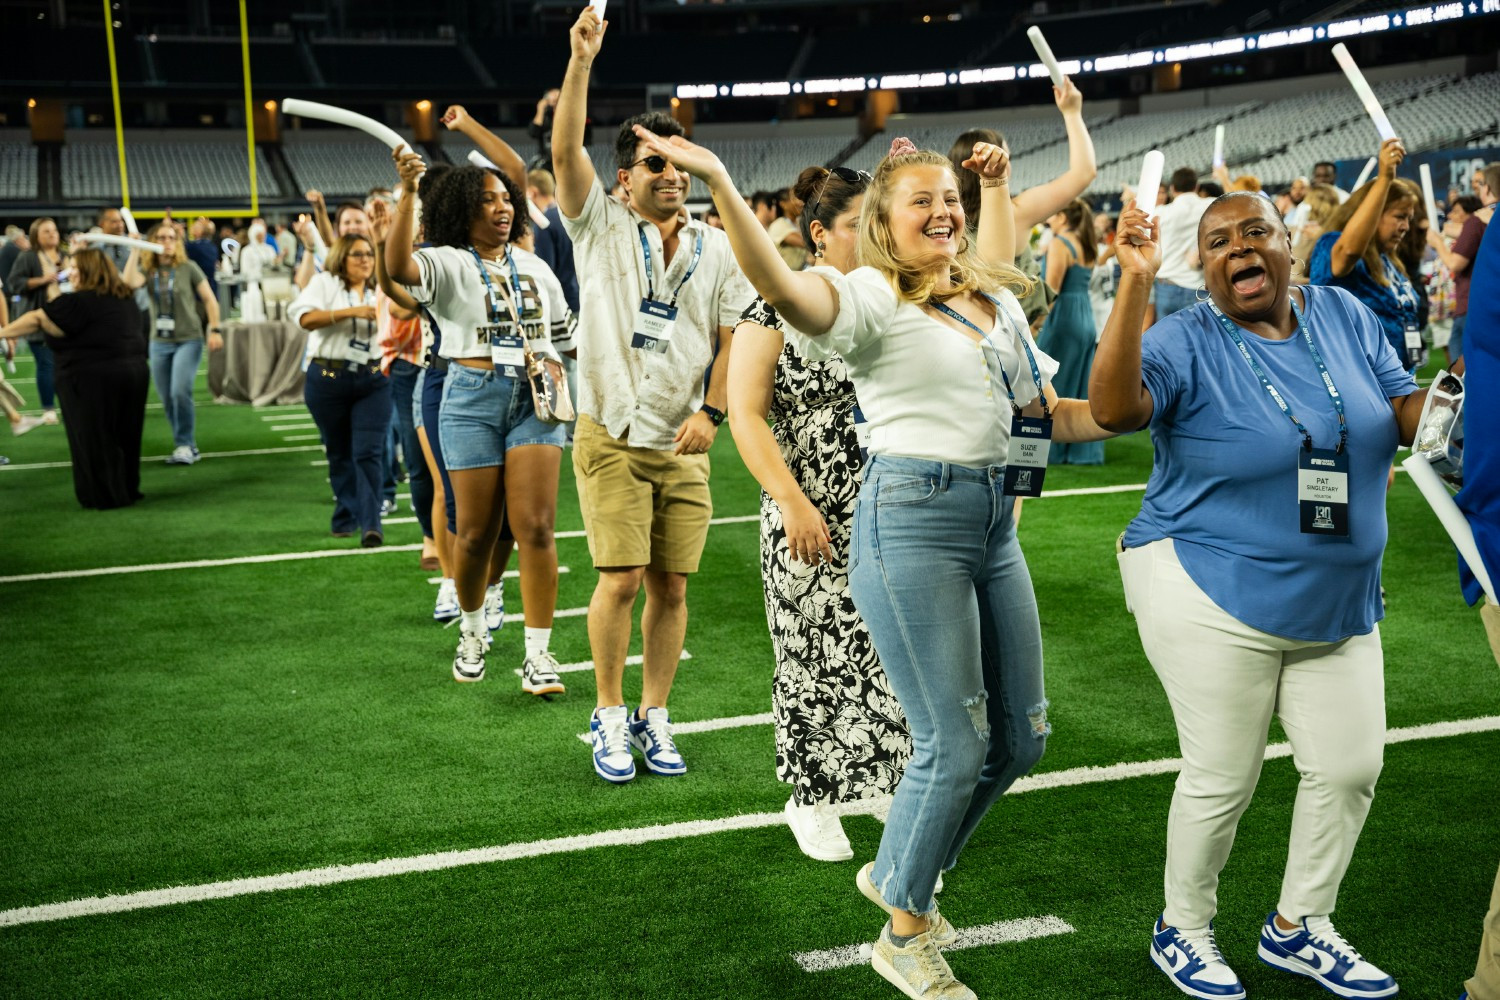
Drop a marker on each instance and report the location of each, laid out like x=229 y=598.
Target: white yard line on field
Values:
x=294 y=427
x=1000 y=932
x=163 y=458
x=631 y=837
x=588 y=665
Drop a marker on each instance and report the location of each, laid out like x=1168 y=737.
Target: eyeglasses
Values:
x=844 y=174
x=655 y=164
x=360 y=255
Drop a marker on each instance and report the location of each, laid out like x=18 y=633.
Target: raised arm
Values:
x=132 y=275
x=997 y=227
x=752 y=375
x=400 y=265
x=320 y=215
x=805 y=300
x=1034 y=205
x=403 y=306
x=1118 y=399
x=1366 y=221
x=570 y=160
x=1454 y=262
x=496 y=149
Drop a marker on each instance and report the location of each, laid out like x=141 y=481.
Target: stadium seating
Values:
x=17 y=169
x=167 y=167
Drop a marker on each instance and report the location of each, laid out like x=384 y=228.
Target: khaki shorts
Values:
x=641 y=507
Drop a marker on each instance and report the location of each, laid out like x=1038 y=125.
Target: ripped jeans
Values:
x=939 y=578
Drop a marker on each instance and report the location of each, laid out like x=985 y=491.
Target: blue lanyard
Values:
x=515 y=284
x=1333 y=392
x=168 y=305
x=354 y=320
x=692 y=264
x=1036 y=373
x=1401 y=288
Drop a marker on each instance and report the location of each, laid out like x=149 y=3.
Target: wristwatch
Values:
x=716 y=415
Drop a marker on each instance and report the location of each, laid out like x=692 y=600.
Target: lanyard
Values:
x=166 y=306
x=354 y=320
x=1401 y=287
x=1036 y=373
x=1333 y=393
x=692 y=264
x=515 y=284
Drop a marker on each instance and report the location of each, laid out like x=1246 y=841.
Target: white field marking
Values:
x=20 y=381
x=1089 y=491
x=163 y=458
x=709 y=725
x=285 y=414
x=321 y=461
x=335 y=874
x=510 y=574
x=301 y=437
x=518 y=616
x=294 y=427
x=397 y=520
x=582 y=665
x=718 y=520
x=69 y=574
x=1000 y=932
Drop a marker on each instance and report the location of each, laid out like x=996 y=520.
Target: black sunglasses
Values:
x=655 y=164
x=845 y=174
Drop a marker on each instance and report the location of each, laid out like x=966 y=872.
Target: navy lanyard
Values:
x=692 y=264
x=1401 y=287
x=515 y=284
x=1333 y=392
x=1036 y=373
x=166 y=306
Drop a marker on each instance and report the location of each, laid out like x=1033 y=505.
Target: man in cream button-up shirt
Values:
x=651 y=396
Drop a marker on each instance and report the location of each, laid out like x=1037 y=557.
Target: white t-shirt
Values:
x=926 y=389
x=626 y=389
x=454 y=291
x=355 y=340
x=1179 y=234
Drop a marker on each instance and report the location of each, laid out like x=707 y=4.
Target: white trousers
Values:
x=1224 y=679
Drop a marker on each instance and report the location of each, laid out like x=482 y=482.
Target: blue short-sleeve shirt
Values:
x=1224 y=482
x=1393 y=310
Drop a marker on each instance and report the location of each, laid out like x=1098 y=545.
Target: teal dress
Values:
x=1069 y=335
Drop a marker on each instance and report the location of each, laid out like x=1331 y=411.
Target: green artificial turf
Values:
x=188 y=726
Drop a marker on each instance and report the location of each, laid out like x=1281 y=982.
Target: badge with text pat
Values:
x=1323 y=491
x=507 y=349
x=653 y=326
x=1026 y=459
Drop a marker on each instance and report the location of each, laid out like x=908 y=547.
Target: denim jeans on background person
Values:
x=1455 y=340
x=939 y=578
x=174 y=366
x=46 y=384
x=403 y=391
x=1172 y=298
x=352 y=408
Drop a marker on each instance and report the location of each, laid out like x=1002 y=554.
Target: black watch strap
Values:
x=716 y=415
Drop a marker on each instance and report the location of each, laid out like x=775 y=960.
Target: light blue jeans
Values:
x=174 y=366
x=939 y=578
x=1172 y=298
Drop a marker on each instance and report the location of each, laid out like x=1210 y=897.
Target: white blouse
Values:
x=926 y=389
x=356 y=340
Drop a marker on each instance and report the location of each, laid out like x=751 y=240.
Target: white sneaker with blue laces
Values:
x=1319 y=952
x=446 y=609
x=494 y=607
x=610 y=736
x=652 y=736
x=1191 y=959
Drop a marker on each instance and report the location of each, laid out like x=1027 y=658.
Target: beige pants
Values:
x=1486 y=982
x=1224 y=680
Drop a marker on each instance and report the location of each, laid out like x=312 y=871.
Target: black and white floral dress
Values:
x=840 y=733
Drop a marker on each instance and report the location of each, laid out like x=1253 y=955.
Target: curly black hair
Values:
x=450 y=205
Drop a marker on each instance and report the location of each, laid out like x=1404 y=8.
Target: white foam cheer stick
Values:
x=1452 y=518
x=599 y=6
x=1044 y=53
x=1432 y=212
x=1145 y=191
x=1366 y=94
x=1364 y=174
x=122 y=241
x=1219 y=146
x=129 y=221
x=478 y=159
x=339 y=116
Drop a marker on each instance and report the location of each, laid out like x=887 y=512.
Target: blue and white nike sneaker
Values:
x=652 y=736
x=1192 y=961
x=1319 y=952
x=609 y=733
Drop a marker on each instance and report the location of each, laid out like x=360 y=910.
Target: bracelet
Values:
x=989 y=183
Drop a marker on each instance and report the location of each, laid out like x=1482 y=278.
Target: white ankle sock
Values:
x=537 y=640
x=473 y=621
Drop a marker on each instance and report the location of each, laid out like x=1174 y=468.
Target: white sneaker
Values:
x=49 y=417
x=446 y=609
x=1192 y=960
x=943 y=933
x=917 y=969
x=494 y=606
x=182 y=455
x=539 y=675
x=24 y=425
x=818 y=831
x=609 y=733
x=468 y=662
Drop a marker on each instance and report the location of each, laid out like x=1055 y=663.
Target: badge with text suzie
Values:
x=654 y=322
x=1026 y=460
x=507 y=349
x=1323 y=491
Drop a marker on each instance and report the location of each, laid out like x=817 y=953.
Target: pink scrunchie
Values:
x=902 y=146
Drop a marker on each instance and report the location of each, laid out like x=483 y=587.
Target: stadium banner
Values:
x=1451 y=168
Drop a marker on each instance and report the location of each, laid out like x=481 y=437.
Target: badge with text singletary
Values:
x=654 y=323
x=1323 y=491
x=1026 y=459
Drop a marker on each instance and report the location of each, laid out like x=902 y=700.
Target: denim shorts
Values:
x=484 y=415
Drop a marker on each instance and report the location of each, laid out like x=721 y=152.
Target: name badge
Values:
x=507 y=349
x=1026 y=459
x=166 y=327
x=1323 y=492
x=654 y=322
x=1413 y=345
x=358 y=351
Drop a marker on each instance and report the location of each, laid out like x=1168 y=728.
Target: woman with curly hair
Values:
x=492 y=301
x=947 y=376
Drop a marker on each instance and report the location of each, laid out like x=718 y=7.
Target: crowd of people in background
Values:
x=899 y=352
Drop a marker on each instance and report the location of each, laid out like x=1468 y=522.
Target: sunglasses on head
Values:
x=845 y=174
x=655 y=164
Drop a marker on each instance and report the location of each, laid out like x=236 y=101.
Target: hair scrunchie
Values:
x=901 y=146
